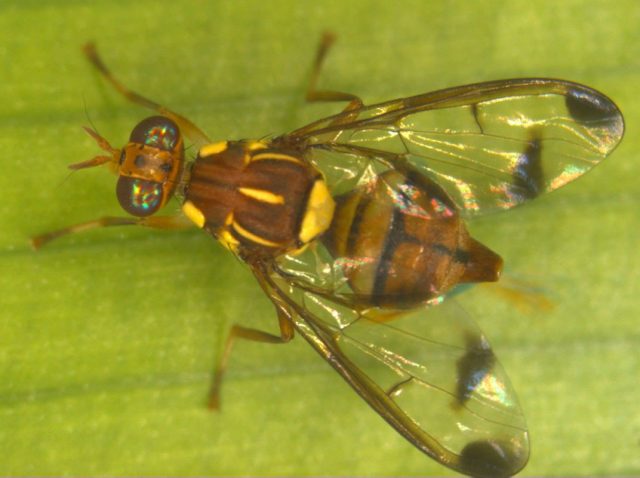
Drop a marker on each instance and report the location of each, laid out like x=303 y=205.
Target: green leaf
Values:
x=108 y=339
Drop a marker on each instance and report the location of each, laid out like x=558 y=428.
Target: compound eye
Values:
x=139 y=197
x=156 y=131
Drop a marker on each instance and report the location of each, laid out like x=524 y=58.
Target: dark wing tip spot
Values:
x=472 y=368
x=493 y=459
x=588 y=107
x=528 y=174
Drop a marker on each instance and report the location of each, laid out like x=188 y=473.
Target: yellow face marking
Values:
x=253 y=238
x=317 y=218
x=262 y=195
x=278 y=156
x=193 y=213
x=213 y=148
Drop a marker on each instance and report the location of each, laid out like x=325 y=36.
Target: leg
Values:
x=350 y=112
x=524 y=295
x=313 y=94
x=239 y=332
x=156 y=222
x=189 y=129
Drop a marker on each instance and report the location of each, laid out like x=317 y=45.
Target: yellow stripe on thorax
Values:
x=225 y=236
x=276 y=156
x=193 y=213
x=262 y=195
x=319 y=213
x=253 y=237
x=213 y=148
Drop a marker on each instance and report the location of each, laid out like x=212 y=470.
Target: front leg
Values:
x=156 y=222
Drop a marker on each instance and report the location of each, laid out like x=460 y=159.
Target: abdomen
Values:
x=405 y=242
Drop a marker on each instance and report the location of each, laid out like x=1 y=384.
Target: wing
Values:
x=431 y=374
x=491 y=145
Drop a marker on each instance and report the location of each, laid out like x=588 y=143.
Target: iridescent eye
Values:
x=139 y=197
x=156 y=131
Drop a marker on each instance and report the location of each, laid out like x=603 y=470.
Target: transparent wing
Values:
x=491 y=145
x=430 y=373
